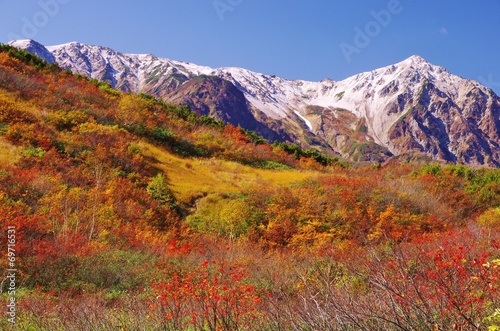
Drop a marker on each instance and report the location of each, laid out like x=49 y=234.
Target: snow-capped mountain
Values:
x=411 y=107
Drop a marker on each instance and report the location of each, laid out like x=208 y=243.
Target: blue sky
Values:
x=294 y=39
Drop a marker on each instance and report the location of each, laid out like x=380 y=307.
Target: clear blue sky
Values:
x=294 y=39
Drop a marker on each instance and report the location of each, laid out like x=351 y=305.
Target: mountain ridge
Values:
x=411 y=107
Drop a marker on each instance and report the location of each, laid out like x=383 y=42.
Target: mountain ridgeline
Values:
x=412 y=109
x=123 y=211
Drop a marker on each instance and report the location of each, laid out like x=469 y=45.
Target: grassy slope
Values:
x=191 y=178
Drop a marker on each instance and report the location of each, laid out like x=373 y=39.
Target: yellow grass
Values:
x=8 y=153
x=9 y=100
x=191 y=178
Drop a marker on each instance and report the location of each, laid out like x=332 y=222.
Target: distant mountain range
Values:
x=409 y=109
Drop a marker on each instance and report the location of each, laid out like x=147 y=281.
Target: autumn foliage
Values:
x=109 y=236
x=213 y=296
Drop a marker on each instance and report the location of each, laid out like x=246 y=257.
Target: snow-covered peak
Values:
x=70 y=44
x=22 y=43
x=410 y=74
x=415 y=59
x=378 y=100
x=34 y=47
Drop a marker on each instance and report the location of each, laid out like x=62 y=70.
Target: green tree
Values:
x=160 y=191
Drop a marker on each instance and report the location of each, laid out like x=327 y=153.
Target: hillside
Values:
x=408 y=108
x=133 y=214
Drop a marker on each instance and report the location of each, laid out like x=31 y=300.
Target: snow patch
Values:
x=308 y=123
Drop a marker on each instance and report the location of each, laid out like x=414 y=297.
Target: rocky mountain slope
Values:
x=409 y=108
